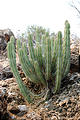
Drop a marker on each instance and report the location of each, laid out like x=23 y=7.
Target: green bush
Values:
x=47 y=64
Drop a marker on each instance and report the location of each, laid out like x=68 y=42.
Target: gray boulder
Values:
x=4 y=38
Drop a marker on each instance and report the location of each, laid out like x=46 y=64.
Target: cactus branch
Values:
x=59 y=62
x=12 y=56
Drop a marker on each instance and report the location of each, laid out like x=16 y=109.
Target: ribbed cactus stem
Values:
x=12 y=56
x=54 y=56
x=52 y=48
x=59 y=62
x=18 y=44
x=37 y=36
x=43 y=44
x=31 y=48
x=39 y=55
x=67 y=37
x=48 y=58
x=66 y=47
x=27 y=57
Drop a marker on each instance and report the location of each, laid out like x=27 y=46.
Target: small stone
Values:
x=48 y=102
x=13 y=117
x=69 y=109
x=23 y=108
x=54 y=118
x=64 y=102
x=30 y=114
x=46 y=106
x=10 y=94
x=2 y=91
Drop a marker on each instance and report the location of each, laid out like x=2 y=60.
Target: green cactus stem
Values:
x=12 y=57
x=59 y=62
x=48 y=58
x=31 y=48
x=66 y=49
x=67 y=37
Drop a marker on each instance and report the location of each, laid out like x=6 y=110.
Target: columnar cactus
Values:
x=47 y=63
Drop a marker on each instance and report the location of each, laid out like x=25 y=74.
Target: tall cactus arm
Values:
x=52 y=47
x=37 y=36
x=31 y=48
x=18 y=44
x=27 y=57
x=43 y=42
x=40 y=60
x=23 y=89
x=23 y=46
x=43 y=47
x=54 y=56
x=59 y=62
x=66 y=46
x=64 y=49
x=39 y=54
x=48 y=58
x=67 y=27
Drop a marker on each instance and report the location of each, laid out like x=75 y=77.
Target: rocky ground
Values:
x=62 y=106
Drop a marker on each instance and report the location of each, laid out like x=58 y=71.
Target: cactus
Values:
x=47 y=63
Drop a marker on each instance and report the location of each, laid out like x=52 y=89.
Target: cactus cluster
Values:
x=47 y=64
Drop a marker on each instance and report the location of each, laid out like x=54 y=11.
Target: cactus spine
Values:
x=47 y=63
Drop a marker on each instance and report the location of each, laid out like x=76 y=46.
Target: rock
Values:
x=75 y=46
x=23 y=108
x=2 y=43
x=64 y=102
x=6 y=73
x=17 y=110
x=6 y=33
x=54 y=118
x=4 y=38
x=48 y=104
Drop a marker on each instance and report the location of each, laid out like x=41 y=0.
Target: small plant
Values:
x=47 y=64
